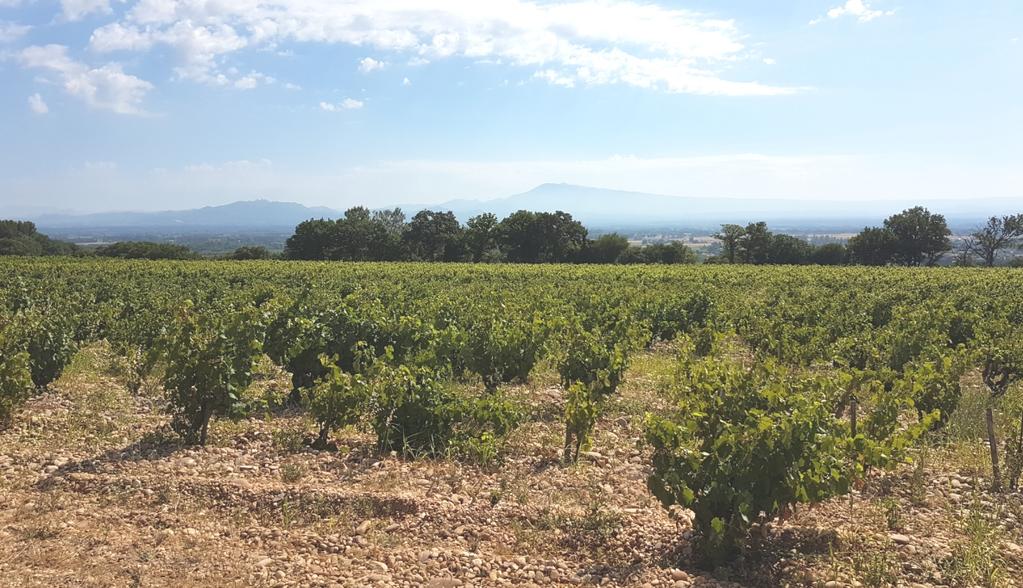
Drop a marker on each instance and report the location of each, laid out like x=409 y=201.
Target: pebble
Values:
x=900 y=539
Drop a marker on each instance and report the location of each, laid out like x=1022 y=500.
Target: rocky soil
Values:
x=94 y=491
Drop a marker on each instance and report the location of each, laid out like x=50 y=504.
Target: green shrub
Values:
x=744 y=442
x=592 y=364
x=481 y=427
x=581 y=411
x=15 y=378
x=133 y=335
x=413 y=413
x=210 y=357
x=416 y=414
x=935 y=385
x=338 y=399
x=503 y=346
x=670 y=316
x=50 y=343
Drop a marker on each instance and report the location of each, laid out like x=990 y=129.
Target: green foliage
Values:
x=502 y=344
x=746 y=441
x=338 y=399
x=935 y=385
x=133 y=334
x=146 y=250
x=433 y=236
x=607 y=248
x=976 y=560
x=15 y=376
x=210 y=356
x=913 y=237
x=250 y=253
x=412 y=411
x=48 y=335
x=669 y=315
x=597 y=356
x=21 y=238
x=416 y=414
x=919 y=237
x=592 y=363
x=998 y=233
x=481 y=427
x=581 y=411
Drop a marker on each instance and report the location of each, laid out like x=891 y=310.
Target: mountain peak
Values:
x=259 y=213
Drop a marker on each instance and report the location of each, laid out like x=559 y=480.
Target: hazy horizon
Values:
x=152 y=105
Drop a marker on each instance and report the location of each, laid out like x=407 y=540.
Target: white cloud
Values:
x=369 y=65
x=553 y=77
x=252 y=80
x=859 y=9
x=37 y=104
x=12 y=31
x=243 y=165
x=346 y=104
x=105 y=88
x=200 y=46
x=591 y=42
x=78 y=9
x=770 y=61
x=406 y=82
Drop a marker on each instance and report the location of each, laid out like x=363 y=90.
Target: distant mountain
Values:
x=597 y=207
x=253 y=214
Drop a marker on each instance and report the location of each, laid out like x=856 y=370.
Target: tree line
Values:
x=521 y=237
x=913 y=237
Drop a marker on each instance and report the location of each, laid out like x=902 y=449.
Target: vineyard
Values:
x=351 y=424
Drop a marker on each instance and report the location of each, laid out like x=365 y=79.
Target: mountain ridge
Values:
x=595 y=207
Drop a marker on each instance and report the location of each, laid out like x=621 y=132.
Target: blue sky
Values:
x=156 y=104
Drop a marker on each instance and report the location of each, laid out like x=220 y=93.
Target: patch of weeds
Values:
x=292 y=472
x=164 y=496
x=287 y=440
x=289 y=514
x=599 y=522
x=975 y=561
x=892 y=513
x=498 y=494
x=967 y=422
x=876 y=567
x=41 y=531
x=918 y=480
x=225 y=432
x=522 y=494
x=593 y=528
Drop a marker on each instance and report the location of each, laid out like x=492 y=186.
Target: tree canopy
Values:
x=22 y=238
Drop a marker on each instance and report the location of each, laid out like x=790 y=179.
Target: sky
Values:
x=170 y=104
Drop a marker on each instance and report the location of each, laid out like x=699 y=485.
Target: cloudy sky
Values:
x=155 y=104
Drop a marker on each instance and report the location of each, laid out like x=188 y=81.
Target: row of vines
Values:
x=771 y=361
